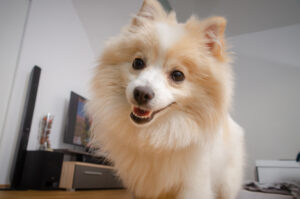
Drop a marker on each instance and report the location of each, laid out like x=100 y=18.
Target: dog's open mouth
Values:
x=142 y=116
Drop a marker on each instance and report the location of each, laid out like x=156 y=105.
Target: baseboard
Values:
x=4 y=186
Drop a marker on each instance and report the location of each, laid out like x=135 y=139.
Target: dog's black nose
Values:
x=143 y=94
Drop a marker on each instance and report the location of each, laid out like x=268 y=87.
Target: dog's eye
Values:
x=138 y=64
x=177 y=76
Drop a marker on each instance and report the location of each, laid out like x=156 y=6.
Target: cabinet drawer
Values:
x=86 y=177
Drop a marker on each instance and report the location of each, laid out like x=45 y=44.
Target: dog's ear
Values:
x=213 y=29
x=151 y=10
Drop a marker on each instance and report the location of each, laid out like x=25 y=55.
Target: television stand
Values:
x=81 y=156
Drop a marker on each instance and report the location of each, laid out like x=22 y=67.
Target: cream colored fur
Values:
x=190 y=150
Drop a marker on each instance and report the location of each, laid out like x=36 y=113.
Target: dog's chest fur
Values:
x=171 y=194
x=159 y=174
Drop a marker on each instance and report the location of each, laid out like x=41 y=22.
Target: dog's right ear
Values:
x=151 y=10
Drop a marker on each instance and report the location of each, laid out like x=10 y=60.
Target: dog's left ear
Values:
x=151 y=10
x=213 y=29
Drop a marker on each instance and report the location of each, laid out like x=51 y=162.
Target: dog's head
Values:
x=163 y=75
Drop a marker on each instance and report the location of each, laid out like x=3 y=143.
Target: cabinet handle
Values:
x=93 y=173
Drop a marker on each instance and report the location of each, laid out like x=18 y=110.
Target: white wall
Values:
x=56 y=41
x=268 y=93
x=12 y=21
x=104 y=19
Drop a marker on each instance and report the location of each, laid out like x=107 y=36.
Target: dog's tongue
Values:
x=141 y=112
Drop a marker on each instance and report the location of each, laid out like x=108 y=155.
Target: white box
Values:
x=275 y=171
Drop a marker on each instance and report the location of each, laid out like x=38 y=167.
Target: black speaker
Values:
x=42 y=170
x=22 y=141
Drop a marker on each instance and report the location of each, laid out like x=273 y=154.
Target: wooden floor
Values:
x=81 y=194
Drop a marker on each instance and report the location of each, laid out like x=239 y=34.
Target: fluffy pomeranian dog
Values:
x=160 y=108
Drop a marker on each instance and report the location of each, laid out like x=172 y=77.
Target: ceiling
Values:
x=244 y=16
x=103 y=19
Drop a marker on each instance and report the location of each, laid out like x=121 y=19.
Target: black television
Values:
x=77 y=131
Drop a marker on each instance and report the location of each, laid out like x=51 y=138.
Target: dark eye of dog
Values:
x=138 y=64
x=177 y=76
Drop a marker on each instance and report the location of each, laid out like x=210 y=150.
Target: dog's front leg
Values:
x=197 y=186
x=197 y=191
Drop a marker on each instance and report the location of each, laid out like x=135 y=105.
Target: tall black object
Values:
x=24 y=131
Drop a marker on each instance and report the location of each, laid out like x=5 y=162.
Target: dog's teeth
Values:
x=135 y=114
x=142 y=117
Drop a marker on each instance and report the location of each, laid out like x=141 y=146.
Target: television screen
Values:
x=78 y=124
